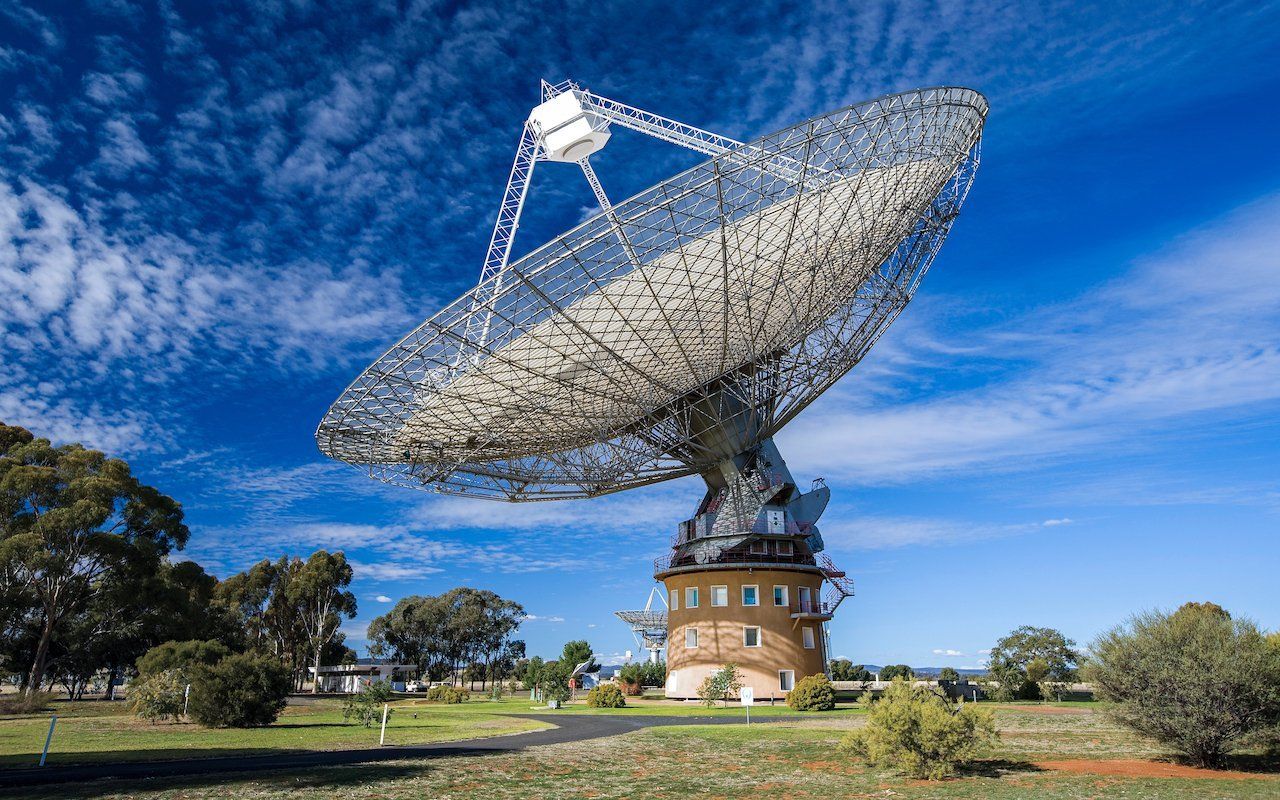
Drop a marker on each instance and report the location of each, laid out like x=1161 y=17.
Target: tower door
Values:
x=806 y=598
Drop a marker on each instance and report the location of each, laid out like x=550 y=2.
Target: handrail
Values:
x=676 y=560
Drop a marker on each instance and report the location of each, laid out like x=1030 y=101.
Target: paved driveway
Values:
x=572 y=728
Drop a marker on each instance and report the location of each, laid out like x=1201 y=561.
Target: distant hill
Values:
x=922 y=671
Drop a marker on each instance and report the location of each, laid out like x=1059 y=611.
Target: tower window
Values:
x=690 y=637
x=691 y=597
x=751 y=636
x=675 y=600
x=784 y=548
x=780 y=596
x=751 y=595
x=808 y=638
x=786 y=679
x=719 y=595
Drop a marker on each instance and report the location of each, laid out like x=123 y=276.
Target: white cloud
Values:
x=355 y=629
x=947 y=652
x=1049 y=523
x=382 y=598
x=1103 y=366
x=846 y=529
x=537 y=618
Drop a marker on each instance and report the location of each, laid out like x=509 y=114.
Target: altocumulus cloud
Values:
x=1104 y=365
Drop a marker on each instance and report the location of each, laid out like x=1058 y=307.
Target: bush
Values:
x=722 y=684
x=606 y=695
x=24 y=703
x=240 y=691
x=448 y=694
x=554 y=682
x=812 y=693
x=896 y=671
x=635 y=676
x=919 y=732
x=158 y=695
x=180 y=657
x=653 y=673
x=842 y=669
x=365 y=706
x=1195 y=680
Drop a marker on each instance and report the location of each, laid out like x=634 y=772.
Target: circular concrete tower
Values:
x=744 y=581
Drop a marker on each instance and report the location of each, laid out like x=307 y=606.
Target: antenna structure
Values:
x=672 y=334
x=648 y=626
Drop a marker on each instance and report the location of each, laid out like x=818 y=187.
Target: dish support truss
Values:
x=667 y=429
x=530 y=151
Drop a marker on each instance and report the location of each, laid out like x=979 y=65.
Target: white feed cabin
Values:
x=568 y=130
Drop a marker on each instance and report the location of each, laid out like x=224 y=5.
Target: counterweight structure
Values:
x=673 y=334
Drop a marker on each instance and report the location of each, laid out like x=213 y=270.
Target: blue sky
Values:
x=212 y=216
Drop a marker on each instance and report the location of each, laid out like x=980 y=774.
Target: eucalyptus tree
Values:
x=444 y=632
x=1032 y=661
x=68 y=517
x=320 y=599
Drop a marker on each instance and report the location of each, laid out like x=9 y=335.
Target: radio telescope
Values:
x=648 y=626
x=674 y=334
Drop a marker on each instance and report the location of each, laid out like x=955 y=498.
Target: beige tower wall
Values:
x=720 y=630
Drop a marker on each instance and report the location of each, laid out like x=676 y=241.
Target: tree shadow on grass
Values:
x=313 y=778
x=995 y=768
x=1266 y=763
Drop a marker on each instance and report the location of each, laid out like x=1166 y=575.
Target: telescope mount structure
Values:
x=648 y=626
x=674 y=334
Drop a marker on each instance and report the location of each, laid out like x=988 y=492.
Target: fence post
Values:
x=53 y=720
x=383 y=737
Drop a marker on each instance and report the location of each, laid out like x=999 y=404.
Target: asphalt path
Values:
x=570 y=728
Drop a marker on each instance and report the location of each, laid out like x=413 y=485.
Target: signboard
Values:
x=747 y=695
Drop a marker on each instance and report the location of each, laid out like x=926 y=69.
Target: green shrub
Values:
x=721 y=685
x=653 y=673
x=1195 y=680
x=24 y=703
x=180 y=657
x=448 y=694
x=554 y=682
x=916 y=730
x=365 y=706
x=812 y=693
x=606 y=695
x=240 y=691
x=158 y=695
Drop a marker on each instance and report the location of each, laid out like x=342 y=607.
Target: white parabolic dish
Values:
x=751 y=282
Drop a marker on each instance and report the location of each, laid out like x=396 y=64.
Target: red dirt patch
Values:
x=1049 y=709
x=1134 y=768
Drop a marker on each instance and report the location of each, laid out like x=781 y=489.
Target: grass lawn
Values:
x=1045 y=752
x=637 y=706
x=106 y=731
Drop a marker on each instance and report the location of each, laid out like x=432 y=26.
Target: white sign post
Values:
x=382 y=738
x=747 y=697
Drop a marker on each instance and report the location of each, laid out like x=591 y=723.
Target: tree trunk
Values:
x=315 y=683
x=36 y=675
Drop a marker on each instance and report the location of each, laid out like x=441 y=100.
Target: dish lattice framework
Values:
x=725 y=298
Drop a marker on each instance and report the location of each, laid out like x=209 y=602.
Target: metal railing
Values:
x=812 y=607
x=677 y=560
